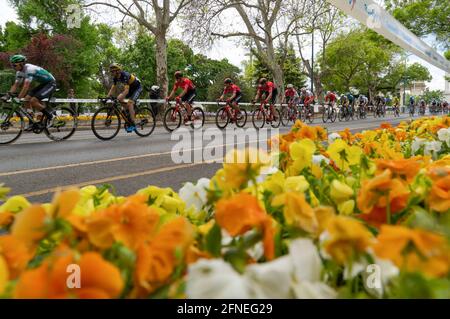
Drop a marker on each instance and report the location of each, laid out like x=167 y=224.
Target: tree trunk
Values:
x=161 y=61
x=274 y=66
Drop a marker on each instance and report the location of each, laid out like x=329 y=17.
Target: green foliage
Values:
x=428 y=95
x=292 y=67
x=13 y=37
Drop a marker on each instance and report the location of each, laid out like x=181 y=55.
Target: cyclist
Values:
x=187 y=96
x=363 y=102
x=26 y=73
x=270 y=91
x=330 y=98
x=308 y=98
x=423 y=106
x=291 y=95
x=236 y=94
x=433 y=106
x=344 y=101
x=132 y=90
x=396 y=104
x=445 y=106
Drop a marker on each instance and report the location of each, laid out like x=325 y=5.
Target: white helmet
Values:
x=290 y=86
x=155 y=88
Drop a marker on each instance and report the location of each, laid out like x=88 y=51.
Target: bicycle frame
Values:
x=117 y=106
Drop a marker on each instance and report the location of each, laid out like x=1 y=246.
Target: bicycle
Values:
x=227 y=114
x=174 y=115
x=289 y=113
x=329 y=113
x=260 y=116
x=422 y=109
x=61 y=126
x=344 y=113
x=379 y=111
x=361 y=113
x=411 y=110
x=107 y=120
x=396 y=110
x=307 y=113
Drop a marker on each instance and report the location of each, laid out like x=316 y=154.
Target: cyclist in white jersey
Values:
x=26 y=74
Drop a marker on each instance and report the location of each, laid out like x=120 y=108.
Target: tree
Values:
x=262 y=22
x=402 y=75
x=156 y=17
x=13 y=37
x=429 y=96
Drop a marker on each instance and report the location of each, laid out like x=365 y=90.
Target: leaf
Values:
x=214 y=240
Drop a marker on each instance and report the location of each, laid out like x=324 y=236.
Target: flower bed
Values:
x=343 y=216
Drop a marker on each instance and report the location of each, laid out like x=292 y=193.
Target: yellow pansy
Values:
x=340 y=191
x=297 y=212
x=301 y=152
x=347 y=207
x=4 y=191
x=15 y=205
x=296 y=184
x=275 y=183
x=348 y=237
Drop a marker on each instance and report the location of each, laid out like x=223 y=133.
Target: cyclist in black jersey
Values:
x=132 y=90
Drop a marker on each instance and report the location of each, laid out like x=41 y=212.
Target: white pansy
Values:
x=215 y=279
x=444 y=135
x=270 y=280
x=417 y=144
x=257 y=251
x=332 y=137
x=195 y=195
x=431 y=148
x=305 y=259
x=318 y=159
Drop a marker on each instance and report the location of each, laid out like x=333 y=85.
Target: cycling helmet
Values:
x=178 y=75
x=263 y=81
x=228 y=81
x=115 y=67
x=290 y=86
x=155 y=88
x=18 y=58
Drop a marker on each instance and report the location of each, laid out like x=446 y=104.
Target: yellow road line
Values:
x=115 y=178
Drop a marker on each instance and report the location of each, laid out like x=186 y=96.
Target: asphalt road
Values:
x=36 y=167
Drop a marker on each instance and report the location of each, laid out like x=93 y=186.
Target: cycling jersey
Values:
x=128 y=79
x=268 y=87
x=350 y=98
x=307 y=93
x=396 y=101
x=291 y=93
x=32 y=73
x=184 y=84
x=330 y=98
x=364 y=100
x=234 y=89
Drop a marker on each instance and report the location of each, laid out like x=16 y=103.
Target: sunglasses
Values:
x=15 y=64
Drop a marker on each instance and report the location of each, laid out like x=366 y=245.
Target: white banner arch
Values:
x=376 y=18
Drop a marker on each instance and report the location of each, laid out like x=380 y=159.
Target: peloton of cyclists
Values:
x=291 y=96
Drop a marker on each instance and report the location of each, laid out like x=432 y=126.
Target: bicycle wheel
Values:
x=241 y=119
x=341 y=115
x=106 y=123
x=198 y=118
x=222 y=118
x=325 y=115
x=285 y=116
x=258 y=118
x=333 y=115
x=63 y=124
x=11 y=125
x=172 y=119
x=145 y=121
x=276 y=120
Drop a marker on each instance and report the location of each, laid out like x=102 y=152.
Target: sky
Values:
x=235 y=54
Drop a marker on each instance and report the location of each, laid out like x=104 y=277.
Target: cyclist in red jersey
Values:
x=189 y=92
x=231 y=88
x=291 y=94
x=270 y=91
x=330 y=98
